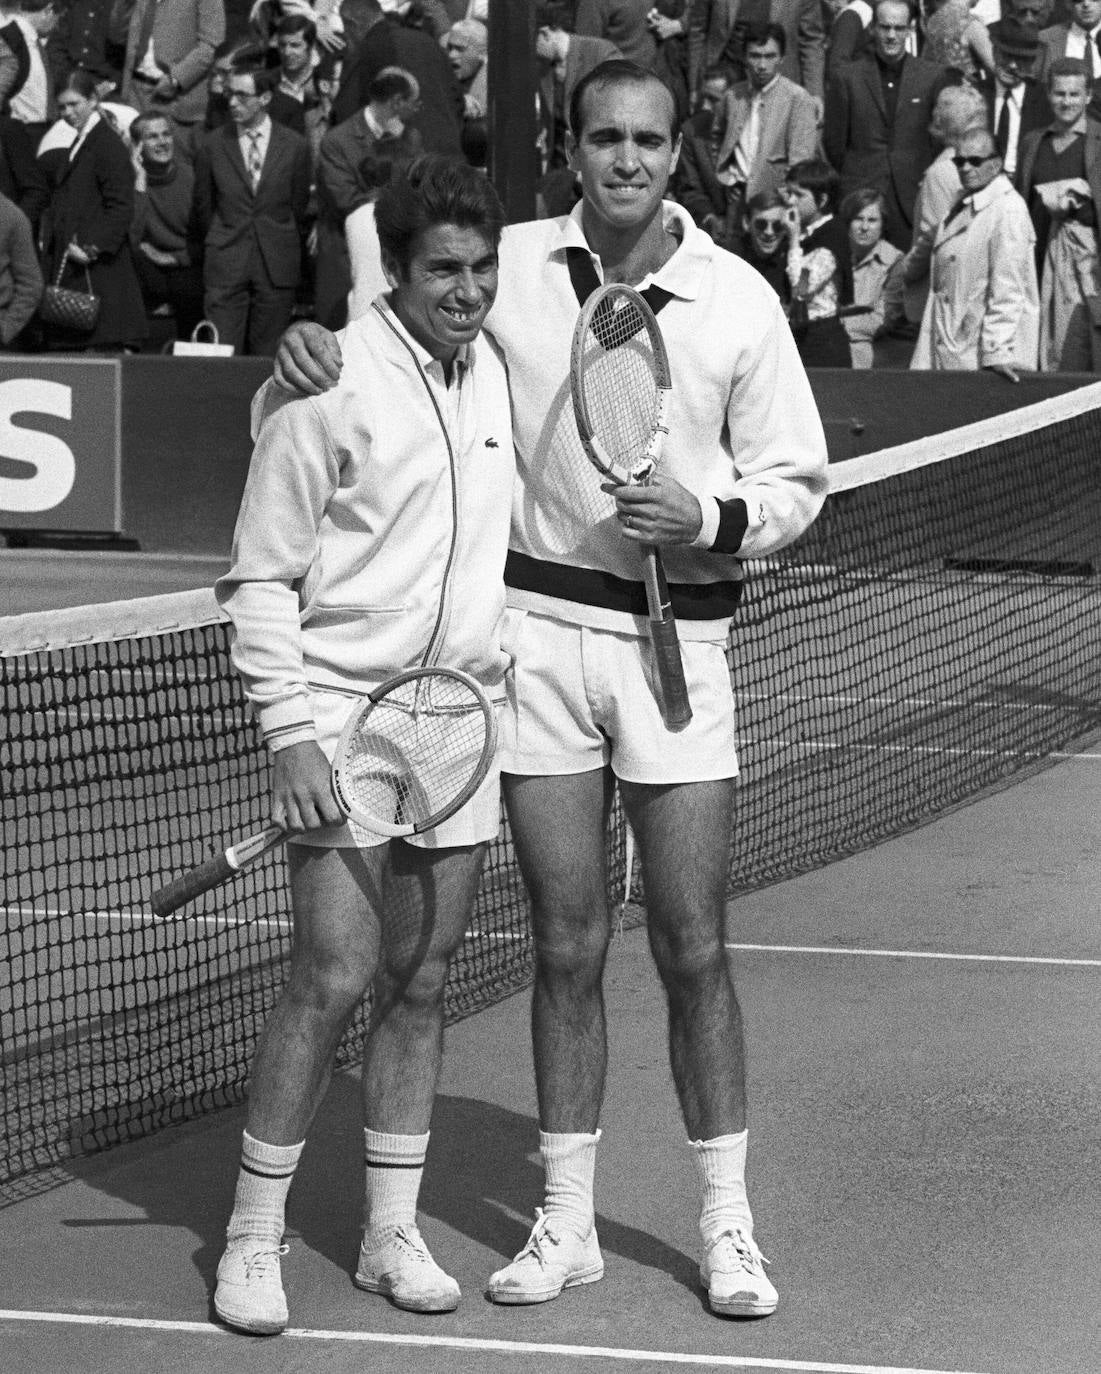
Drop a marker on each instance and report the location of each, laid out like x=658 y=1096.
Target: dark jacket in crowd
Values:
x=93 y=203
x=391 y=43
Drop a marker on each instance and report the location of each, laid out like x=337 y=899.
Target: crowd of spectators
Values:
x=920 y=188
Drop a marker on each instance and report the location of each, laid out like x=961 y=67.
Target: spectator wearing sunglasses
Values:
x=803 y=280
x=983 y=309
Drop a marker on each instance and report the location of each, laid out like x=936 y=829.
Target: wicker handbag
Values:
x=69 y=309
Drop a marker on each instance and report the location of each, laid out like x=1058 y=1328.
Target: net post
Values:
x=512 y=87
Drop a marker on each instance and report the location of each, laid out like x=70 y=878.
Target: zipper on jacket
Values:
x=429 y=653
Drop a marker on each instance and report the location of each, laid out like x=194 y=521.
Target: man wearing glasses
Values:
x=252 y=189
x=983 y=309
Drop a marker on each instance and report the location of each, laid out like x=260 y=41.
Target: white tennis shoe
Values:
x=249 y=1296
x=733 y=1274
x=397 y=1264
x=551 y=1260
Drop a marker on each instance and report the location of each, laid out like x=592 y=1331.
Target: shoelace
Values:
x=412 y=1242
x=742 y=1248
x=539 y=1234
x=263 y=1263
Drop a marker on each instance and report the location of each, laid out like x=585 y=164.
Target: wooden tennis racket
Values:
x=620 y=383
x=412 y=753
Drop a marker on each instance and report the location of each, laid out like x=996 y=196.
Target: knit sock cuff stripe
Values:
x=393 y=1163
x=267 y=1173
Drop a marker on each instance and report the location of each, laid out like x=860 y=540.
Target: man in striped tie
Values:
x=252 y=186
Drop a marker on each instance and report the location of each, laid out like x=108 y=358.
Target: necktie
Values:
x=255 y=158
x=1001 y=134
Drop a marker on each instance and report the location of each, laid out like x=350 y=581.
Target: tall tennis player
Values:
x=743 y=474
x=371 y=539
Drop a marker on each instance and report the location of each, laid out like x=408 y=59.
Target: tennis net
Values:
x=935 y=633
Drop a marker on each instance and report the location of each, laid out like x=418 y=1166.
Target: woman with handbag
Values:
x=86 y=235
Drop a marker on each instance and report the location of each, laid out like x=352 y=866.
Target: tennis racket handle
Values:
x=674 y=689
x=217 y=870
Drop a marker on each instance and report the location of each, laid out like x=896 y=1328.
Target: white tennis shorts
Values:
x=580 y=698
x=474 y=823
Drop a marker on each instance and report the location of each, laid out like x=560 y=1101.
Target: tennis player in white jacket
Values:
x=371 y=539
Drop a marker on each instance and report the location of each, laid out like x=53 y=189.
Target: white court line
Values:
x=664 y=1357
x=825 y=746
x=936 y=703
x=918 y=954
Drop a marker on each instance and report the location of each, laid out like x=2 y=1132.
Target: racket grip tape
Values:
x=674 y=689
x=192 y=884
x=214 y=871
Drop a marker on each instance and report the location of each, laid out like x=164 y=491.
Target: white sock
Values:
x=569 y=1159
x=264 y=1180
x=722 y=1169
x=394 y=1166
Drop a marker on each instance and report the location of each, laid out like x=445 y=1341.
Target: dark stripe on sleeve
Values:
x=733 y=523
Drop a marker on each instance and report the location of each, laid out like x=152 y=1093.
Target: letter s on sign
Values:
x=53 y=466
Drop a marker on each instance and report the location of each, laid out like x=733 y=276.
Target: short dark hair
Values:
x=36 y=6
x=764 y=32
x=1068 y=66
x=554 y=14
x=143 y=120
x=617 y=71
x=857 y=201
x=389 y=83
x=435 y=190
x=297 y=23
x=254 y=61
x=816 y=176
x=387 y=160
x=80 y=81
x=764 y=200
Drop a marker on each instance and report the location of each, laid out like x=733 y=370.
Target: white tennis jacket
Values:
x=373 y=527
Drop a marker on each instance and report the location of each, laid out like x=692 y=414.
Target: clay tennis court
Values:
x=924 y=1094
x=924 y=1080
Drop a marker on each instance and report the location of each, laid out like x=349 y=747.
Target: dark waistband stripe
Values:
x=591 y=587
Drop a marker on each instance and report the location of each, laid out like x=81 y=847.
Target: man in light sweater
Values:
x=744 y=474
x=391 y=490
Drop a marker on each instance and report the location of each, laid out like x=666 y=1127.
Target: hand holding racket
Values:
x=620 y=383
x=412 y=753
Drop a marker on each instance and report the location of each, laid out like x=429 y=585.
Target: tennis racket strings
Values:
x=622 y=392
x=419 y=746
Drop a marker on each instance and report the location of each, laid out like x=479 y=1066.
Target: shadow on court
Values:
x=924 y=1084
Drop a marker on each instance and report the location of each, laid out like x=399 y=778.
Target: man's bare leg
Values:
x=336 y=899
x=684 y=837
x=558 y=825
x=428 y=898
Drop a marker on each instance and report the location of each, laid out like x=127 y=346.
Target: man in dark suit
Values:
x=696 y=185
x=716 y=34
x=389 y=42
x=564 y=58
x=1078 y=38
x=252 y=189
x=878 y=111
x=380 y=128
